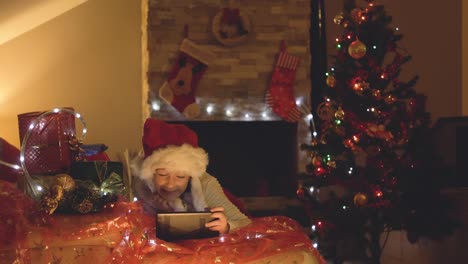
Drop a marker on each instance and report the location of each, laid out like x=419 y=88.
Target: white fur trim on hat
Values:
x=183 y=159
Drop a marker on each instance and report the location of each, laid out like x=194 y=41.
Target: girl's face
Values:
x=170 y=185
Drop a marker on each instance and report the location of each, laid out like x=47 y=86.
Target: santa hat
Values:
x=173 y=147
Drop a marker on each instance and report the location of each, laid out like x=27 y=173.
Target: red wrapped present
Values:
x=48 y=149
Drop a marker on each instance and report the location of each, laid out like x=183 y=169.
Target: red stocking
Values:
x=180 y=87
x=280 y=94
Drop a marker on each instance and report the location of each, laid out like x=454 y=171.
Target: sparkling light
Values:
x=56 y=110
x=39 y=188
x=209 y=109
x=77 y=115
x=31 y=126
x=313 y=227
x=135 y=199
x=315 y=245
x=155 y=106
x=311 y=189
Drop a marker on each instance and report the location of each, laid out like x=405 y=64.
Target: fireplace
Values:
x=257 y=158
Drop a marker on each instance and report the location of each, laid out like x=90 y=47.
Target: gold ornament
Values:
x=325 y=111
x=357 y=49
x=338 y=19
x=331 y=81
x=360 y=199
x=331 y=164
x=316 y=161
x=65 y=181
x=339 y=114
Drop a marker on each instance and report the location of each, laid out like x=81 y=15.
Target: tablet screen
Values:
x=183 y=225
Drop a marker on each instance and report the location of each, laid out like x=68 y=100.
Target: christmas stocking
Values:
x=280 y=94
x=181 y=85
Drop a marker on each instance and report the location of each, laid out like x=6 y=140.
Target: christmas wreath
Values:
x=231 y=26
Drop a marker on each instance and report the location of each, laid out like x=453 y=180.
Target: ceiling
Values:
x=20 y=16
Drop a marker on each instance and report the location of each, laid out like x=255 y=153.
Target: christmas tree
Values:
x=370 y=169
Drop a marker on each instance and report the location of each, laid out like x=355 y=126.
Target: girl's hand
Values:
x=220 y=224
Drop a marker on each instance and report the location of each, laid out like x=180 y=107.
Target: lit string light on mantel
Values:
x=212 y=109
x=232 y=111
x=31 y=186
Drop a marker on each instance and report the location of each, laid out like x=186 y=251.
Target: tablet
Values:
x=183 y=225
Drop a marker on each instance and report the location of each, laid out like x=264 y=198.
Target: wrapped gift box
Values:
x=47 y=150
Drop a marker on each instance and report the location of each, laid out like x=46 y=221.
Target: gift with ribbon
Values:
x=50 y=146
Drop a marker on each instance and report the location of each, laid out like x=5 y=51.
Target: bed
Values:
x=123 y=233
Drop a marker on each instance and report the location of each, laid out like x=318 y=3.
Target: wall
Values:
x=88 y=58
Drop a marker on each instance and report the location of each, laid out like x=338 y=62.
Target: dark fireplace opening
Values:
x=255 y=158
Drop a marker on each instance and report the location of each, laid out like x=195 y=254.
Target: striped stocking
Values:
x=280 y=95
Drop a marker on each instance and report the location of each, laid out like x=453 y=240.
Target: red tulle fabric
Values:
x=131 y=236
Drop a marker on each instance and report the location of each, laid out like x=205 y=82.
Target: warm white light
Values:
x=135 y=199
x=397 y=28
x=247 y=115
x=309 y=117
x=209 y=109
x=56 y=110
x=77 y=115
x=315 y=245
x=229 y=112
x=85 y=130
x=264 y=114
x=314 y=134
x=31 y=126
x=39 y=188
x=299 y=101
x=22 y=158
x=155 y=106
x=332 y=69
x=311 y=189
x=313 y=227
